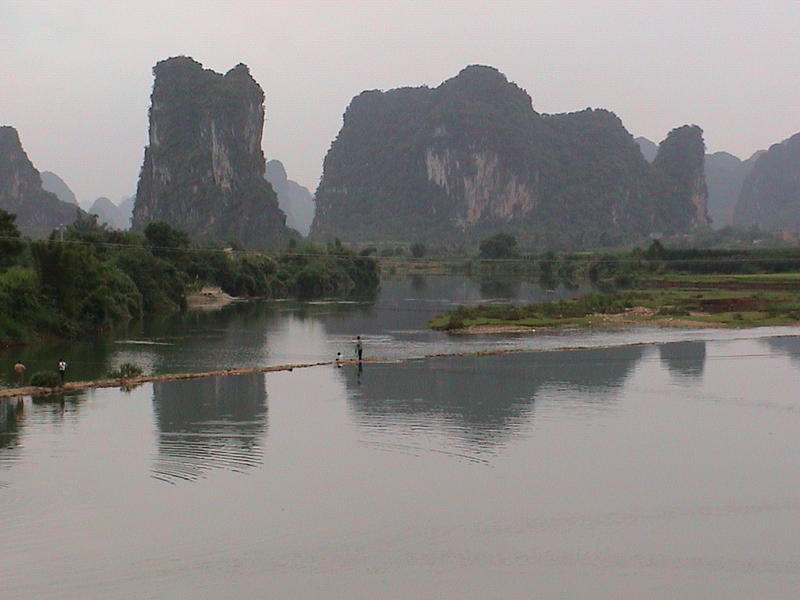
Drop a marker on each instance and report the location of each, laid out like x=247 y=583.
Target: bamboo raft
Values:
x=75 y=386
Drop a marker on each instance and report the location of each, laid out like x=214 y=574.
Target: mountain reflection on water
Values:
x=790 y=346
x=685 y=359
x=209 y=423
x=483 y=399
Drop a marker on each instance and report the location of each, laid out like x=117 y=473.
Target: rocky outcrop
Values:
x=472 y=156
x=53 y=183
x=38 y=211
x=681 y=161
x=294 y=199
x=725 y=174
x=770 y=195
x=203 y=168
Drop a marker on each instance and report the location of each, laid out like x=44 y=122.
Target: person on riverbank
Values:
x=339 y=359
x=62 y=369
x=359 y=348
x=19 y=372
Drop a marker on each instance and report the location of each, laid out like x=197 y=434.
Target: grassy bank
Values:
x=734 y=301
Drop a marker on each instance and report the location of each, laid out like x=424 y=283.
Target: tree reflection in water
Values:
x=12 y=413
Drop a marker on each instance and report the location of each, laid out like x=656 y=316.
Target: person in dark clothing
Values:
x=359 y=348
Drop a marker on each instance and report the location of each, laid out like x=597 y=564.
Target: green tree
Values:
x=163 y=240
x=11 y=245
x=655 y=251
x=500 y=245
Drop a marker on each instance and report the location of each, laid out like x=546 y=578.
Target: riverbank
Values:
x=90 y=280
x=209 y=298
x=690 y=301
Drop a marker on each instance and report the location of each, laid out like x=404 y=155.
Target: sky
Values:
x=76 y=76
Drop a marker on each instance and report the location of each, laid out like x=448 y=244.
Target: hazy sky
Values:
x=76 y=75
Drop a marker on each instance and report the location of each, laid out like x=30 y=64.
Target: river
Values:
x=636 y=462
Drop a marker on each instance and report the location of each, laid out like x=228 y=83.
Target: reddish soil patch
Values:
x=719 y=305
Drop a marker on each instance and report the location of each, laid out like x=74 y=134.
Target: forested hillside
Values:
x=472 y=156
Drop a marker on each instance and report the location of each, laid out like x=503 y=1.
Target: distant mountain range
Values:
x=452 y=163
x=294 y=199
x=115 y=216
x=53 y=183
x=648 y=148
x=472 y=156
x=38 y=211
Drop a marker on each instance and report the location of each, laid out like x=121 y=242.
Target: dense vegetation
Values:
x=88 y=278
x=499 y=245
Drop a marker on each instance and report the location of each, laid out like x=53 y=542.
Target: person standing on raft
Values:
x=62 y=369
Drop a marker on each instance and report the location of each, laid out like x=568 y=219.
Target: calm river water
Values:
x=638 y=463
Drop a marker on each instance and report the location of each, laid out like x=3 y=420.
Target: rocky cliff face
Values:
x=681 y=162
x=472 y=156
x=770 y=196
x=21 y=193
x=294 y=199
x=203 y=168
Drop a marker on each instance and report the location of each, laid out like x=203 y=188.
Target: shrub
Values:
x=456 y=318
x=418 y=250
x=126 y=371
x=456 y=321
x=49 y=379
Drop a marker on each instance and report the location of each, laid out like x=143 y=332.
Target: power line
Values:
x=584 y=259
